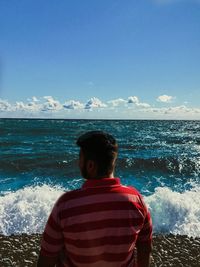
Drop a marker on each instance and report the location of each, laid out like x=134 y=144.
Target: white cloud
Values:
x=27 y=107
x=23 y=106
x=48 y=98
x=116 y=102
x=120 y=108
x=133 y=100
x=178 y=109
x=165 y=98
x=35 y=99
x=178 y=112
x=143 y=105
x=72 y=104
x=51 y=104
x=34 y=106
x=20 y=105
x=5 y=106
x=94 y=103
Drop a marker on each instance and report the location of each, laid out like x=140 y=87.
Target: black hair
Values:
x=100 y=147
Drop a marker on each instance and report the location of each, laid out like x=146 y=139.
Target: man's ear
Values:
x=91 y=168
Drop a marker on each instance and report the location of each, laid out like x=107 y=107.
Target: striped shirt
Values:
x=98 y=225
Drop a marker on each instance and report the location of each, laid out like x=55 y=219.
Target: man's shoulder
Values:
x=129 y=190
x=69 y=195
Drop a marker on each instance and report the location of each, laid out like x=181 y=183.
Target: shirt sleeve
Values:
x=145 y=235
x=52 y=239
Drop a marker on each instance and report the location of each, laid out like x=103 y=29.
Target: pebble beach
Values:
x=168 y=250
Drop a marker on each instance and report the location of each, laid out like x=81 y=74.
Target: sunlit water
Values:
x=39 y=161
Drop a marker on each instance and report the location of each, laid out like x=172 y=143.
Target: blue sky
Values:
x=96 y=52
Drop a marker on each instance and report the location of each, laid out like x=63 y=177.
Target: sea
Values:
x=39 y=162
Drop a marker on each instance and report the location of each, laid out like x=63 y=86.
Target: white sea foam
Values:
x=177 y=213
x=27 y=210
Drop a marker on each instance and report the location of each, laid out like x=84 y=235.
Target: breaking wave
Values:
x=26 y=210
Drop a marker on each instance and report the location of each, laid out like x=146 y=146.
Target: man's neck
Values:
x=99 y=177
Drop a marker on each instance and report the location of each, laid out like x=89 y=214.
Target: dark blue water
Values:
x=151 y=153
x=153 y=156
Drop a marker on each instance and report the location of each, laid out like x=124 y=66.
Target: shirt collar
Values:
x=104 y=182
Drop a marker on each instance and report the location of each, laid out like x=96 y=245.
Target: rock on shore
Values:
x=168 y=250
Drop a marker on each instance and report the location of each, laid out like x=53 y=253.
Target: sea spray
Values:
x=27 y=210
x=174 y=212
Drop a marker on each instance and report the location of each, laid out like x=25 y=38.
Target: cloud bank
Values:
x=94 y=108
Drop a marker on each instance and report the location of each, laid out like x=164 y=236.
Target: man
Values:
x=101 y=224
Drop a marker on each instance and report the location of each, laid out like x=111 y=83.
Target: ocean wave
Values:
x=187 y=166
x=27 y=210
x=23 y=163
x=172 y=165
x=177 y=213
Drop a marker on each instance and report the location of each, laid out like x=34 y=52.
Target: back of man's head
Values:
x=100 y=147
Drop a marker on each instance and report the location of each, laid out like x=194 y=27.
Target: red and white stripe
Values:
x=97 y=225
